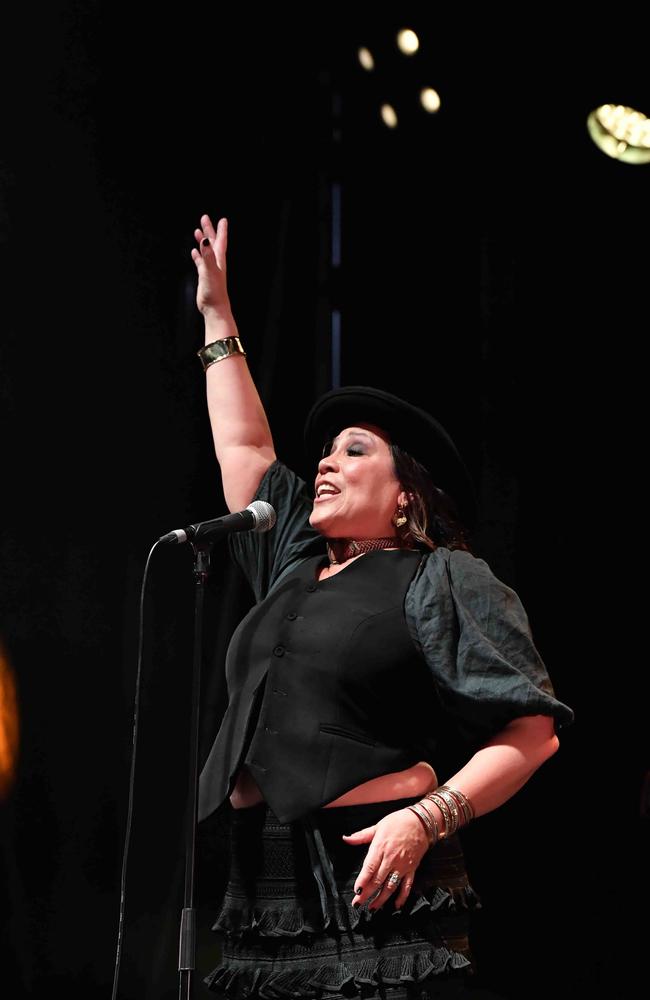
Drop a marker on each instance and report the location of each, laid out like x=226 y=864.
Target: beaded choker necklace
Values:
x=339 y=550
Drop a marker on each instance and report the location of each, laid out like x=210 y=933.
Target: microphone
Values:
x=258 y=516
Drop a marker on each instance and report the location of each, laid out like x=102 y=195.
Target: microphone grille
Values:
x=264 y=514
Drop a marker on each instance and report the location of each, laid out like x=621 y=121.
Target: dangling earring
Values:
x=399 y=518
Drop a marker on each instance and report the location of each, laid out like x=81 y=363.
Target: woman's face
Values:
x=357 y=492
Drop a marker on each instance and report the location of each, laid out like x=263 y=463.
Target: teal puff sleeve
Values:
x=475 y=637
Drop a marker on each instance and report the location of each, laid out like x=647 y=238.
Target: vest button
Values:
x=292 y=616
x=311 y=587
x=278 y=651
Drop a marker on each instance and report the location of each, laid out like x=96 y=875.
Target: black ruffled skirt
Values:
x=288 y=928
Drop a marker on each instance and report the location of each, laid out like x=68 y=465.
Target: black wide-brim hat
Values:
x=413 y=429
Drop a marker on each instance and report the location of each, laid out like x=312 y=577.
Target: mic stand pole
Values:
x=187 y=942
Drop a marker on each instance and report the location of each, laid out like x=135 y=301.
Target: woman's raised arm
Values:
x=242 y=437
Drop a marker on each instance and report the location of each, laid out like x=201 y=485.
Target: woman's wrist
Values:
x=448 y=810
x=219 y=350
x=425 y=825
x=219 y=325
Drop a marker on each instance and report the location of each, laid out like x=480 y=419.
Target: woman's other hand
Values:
x=210 y=260
x=398 y=842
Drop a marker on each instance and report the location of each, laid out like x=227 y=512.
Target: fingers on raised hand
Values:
x=221 y=243
x=207 y=229
x=210 y=239
x=197 y=254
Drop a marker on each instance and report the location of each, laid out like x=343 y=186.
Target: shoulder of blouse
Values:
x=457 y=567
x=447 y=579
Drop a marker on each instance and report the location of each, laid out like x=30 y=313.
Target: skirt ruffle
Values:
x=238 y=917
x=347 y=978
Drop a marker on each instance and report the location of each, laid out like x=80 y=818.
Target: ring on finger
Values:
x=394 y=879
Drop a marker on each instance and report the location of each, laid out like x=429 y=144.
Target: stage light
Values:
x=407 y=41
x=396 y=87
x=8 y=727
x=430 y=99
x=621 y=132
x=389 y=115
x=364 y=56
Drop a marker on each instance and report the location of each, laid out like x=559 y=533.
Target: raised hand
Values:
x=210 y=259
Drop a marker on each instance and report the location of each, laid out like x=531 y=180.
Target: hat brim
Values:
x=408 y=426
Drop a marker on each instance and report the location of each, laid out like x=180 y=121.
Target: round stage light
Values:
x=620 y=132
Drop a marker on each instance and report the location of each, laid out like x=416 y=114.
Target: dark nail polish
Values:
x=205 y=242
x=358 y=891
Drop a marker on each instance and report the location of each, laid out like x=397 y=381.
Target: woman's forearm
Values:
x=240 y=430
x=505 y=763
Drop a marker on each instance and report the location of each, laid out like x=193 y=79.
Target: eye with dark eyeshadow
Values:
x=357 y=448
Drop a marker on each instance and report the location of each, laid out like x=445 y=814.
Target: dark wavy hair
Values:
x=431 y=515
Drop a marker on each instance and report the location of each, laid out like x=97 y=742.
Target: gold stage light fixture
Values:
x=621 y=132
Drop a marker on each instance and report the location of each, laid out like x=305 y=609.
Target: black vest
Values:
x=326 y=689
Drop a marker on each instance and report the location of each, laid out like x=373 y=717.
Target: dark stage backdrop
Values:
x=493 y=269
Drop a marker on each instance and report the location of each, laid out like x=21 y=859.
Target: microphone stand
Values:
x=187 y=938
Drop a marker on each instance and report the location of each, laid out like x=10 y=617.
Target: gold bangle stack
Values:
x=220 y=349
x=448 y=824
x=428 y=821
x=464 y=803
x=455 y=808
